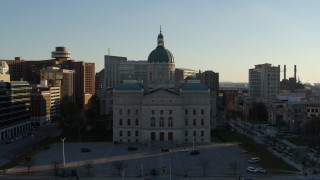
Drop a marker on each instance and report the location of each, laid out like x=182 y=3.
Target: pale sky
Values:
x=226 y=36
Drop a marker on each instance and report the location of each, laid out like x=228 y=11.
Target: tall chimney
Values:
x=295 y=72
x=285 y=72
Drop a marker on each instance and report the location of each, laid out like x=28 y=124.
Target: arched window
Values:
x=153 y=122
x=161 y=122
x=170 y=122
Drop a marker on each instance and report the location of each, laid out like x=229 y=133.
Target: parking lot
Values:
x=214 y=159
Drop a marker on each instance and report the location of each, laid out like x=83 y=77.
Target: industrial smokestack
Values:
x=285 y=72
x=295 y=72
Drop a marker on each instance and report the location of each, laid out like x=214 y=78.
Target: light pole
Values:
x=64 y=160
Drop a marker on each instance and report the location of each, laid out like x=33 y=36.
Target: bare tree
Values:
x=56 y=167
x=29 y=164
x=234 y=166
x=13 y=154
x=89 y=165
x=4 y=170
x=119 y=165
x=204 y=164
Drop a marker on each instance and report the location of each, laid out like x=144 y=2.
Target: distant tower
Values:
x=295 y=72
x=285 y=72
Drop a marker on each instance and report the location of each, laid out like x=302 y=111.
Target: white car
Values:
x=252 y=170
x=184 y=150
x=254 y=160
x=261 y=170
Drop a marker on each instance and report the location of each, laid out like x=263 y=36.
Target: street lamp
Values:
x=63 y=157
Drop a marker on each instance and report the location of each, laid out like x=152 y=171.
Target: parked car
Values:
x=194 y=152
x=184 y=150
x=254 y=160
x=261 y=170
x=153 y=172
x=247 y=178
x=243 y=151
x=132 y=148
x=85 y=150
x=252 y=170
x=165 y=149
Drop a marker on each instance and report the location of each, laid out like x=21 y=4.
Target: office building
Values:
x=111 y=70
x=63 y=78
x=14 y=109
x=40 y=106
x=30 y=71
x=181 y=74
x=264 y=81
x=4 y=71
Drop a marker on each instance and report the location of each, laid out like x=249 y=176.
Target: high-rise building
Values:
x=133 y=70
x=99 y=78
x=14 y=109
x=40 y=106
x=30 y=71
x=54 y=102
x=63 y=78
x=16 y=68
x=182 y=73
x=4 y=71
x=209 y=78
x=111 y=70
x=264 y=81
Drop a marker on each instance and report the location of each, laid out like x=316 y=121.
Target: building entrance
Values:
x=153 y=136
x=170 y=136
x=161 y=136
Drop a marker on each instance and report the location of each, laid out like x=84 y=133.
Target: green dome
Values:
x=160 y=55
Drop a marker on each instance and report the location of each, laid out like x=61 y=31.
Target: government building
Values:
x=159 y=109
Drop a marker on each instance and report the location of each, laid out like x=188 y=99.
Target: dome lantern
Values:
x=160 y=54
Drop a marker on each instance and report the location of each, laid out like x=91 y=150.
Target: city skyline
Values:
x=228 y=37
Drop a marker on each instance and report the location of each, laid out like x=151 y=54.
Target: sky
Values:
x=225 y=36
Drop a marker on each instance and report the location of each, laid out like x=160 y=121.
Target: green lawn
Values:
x=222 y=135
x=301 y=141
x=93 y=135
x=268 y=160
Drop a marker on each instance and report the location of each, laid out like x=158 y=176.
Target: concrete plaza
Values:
x=215 y=159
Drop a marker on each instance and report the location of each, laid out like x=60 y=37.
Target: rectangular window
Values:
x=120 y=111
x=120 y=122
x=202 y=122
x=137 y=111
x=152 y=112
x=170 y=112
x=128 y=122
x=120 y=133
x=128 y=111
x=137 y=122
x=202 y=133
x=161 y=112
x=194 y=133
x=186 y=112
x=202 y=111
x=194 y=122
x=128 y=133
x=186 y=133
x=194 y=112
x=137 y=133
